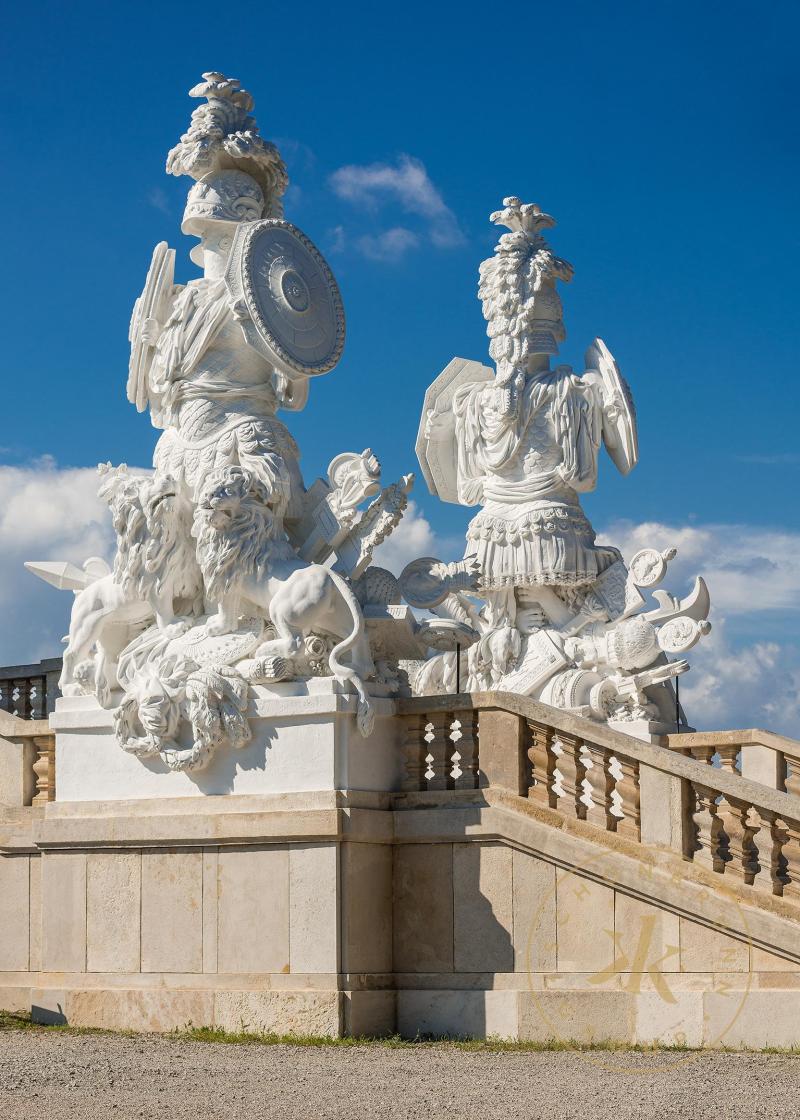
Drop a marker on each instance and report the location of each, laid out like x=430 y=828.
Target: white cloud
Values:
x=413 y=537
x=747 y=568
x=390 y=245
x=405 y=183
x=46 y=513
x=755 y=684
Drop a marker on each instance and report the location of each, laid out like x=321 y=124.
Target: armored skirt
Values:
x=540 y=543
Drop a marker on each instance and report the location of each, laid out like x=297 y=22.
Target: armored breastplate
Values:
x=199 y=418
x=539 y=453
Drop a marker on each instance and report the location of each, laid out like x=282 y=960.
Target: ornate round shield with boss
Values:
x=286 y=297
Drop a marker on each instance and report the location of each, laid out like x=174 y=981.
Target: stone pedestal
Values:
x=304 y=738
x=259 y=913
x=156 y=901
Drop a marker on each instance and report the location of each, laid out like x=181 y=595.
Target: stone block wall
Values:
x=345 y=913
x=489 y=939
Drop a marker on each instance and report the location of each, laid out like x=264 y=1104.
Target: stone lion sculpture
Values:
x=155 y=576
x=248 y=565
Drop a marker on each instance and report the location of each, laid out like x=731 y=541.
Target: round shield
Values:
x=292 y=297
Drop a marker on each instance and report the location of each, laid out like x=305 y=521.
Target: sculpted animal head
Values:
x=231 y=495
x=236 y=529
x=152 y=521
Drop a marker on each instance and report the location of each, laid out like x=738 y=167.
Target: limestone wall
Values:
x=311 y=915
x=511 y=944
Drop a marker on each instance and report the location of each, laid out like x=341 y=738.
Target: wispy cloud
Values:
x=777 y=459
x=336 y=239
x=298 y=155
x=157 y=197
x=407 y=185
x=390 y=245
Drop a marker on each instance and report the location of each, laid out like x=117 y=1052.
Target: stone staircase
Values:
x=671 y=887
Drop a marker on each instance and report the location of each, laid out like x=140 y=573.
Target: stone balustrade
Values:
x=761 y=756
x=27 y=762
x=727 y=821
x=30 y=691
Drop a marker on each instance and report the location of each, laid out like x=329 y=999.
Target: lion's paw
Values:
x=215 y=628
x=175 y=629
x=267 y=669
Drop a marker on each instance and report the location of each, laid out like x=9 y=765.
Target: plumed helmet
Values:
x=222 y=196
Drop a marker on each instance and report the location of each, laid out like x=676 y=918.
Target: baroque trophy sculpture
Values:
x=229 y=572
x=231 y=575
x=562 y=619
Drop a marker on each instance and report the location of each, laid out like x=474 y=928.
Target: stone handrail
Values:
x=759 y=755
x=585 y=770
x=27 y=761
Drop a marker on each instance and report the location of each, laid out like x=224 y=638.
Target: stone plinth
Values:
x=304 y=738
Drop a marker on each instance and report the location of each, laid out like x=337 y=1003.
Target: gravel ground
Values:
x=55 y=1075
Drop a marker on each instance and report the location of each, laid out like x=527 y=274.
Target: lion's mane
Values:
x=247 y=546
x=154 y=553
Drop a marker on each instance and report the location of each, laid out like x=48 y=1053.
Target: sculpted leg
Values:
x=226 y=620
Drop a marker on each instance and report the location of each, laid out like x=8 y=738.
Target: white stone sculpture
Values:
x=228 y=572
x=249 y=567
x=231 y=576
x=560 y=615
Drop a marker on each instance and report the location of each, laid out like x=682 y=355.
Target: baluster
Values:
x=740 y=824
x=414 y=750
x=39 y=698
x=790 y=768
x=466 y=750
x=567 y=752
x=33 y=699
x=627 y=790
x=596 y=762
x=542 y=764
x=45 y=768
x=728 y=754
x=789 y=873
x=437 y=736
x=751 y=847
x=710 y=844
x=771 y=874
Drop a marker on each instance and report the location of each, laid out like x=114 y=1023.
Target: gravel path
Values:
x=55 y=1075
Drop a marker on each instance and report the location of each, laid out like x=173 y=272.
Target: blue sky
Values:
x=663 y=138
